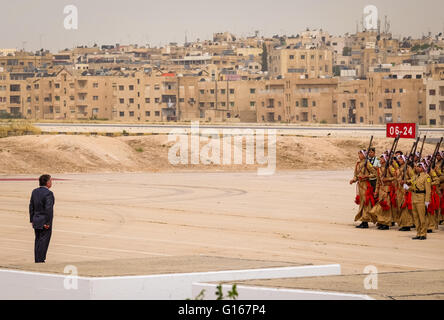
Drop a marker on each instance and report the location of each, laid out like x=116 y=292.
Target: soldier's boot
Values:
x=363 y=225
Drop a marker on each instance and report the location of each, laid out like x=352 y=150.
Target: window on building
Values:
x=232 y=104
x=131 y=114
x=222 y=91
x=291 y=57
x=202 y=91
x=147 y=100
x=252 y=91
x=361 y=119
x=231 y=91
x=148 y=113
x=57 y=85
x=121 y=88
x=432 y=92
x=95 y=85
x=131 y=87
x=121 y=113
x=252 y=103
x=157 y=113
x=95 y=98
x=122 y=101
x=157 y=100
x=131 y=100
x=314 y=103
x=302 y=57
x=433 y=122
x=432 y=107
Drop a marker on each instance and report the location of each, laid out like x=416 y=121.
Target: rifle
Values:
x=409 y=159
x=422 y=147
x=412 y=160
x=368 y=151
x=442 y=164
x=391 y=154
x=433 y=161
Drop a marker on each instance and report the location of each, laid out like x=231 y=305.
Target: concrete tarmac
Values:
x=290 y=218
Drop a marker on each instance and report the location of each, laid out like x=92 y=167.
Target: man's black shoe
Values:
x=429 y=231
x=423 y=238
x=384 y=227
x=441 y=222
x=413 y=227
x=405 y=229
x=393 y=224
x=416 y=238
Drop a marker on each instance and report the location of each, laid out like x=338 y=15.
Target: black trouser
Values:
x=42 y=238
x=373 y=184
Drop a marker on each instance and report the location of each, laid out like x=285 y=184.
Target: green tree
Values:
x=264 y=57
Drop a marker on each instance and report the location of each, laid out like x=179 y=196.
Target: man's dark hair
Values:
x=372 y=149
x=43 y=180
x=399 y=153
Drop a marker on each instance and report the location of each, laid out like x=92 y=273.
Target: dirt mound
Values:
x=79 y=154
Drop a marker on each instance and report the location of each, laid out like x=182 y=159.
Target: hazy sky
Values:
x=40 y=22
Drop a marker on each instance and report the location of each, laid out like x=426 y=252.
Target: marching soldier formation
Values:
x=403 y=190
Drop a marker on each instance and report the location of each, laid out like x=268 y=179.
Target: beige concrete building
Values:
x=24 y=61
x=435 y=102
x=314 y=63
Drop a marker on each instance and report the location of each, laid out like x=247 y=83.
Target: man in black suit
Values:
x=41 y=212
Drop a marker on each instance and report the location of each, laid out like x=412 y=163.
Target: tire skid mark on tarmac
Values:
x=291 y=250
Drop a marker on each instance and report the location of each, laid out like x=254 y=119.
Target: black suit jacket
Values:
x=41 y=207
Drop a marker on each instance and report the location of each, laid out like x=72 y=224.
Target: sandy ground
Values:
x=90 y=154
x=290 y=218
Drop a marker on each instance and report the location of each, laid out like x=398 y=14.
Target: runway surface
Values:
x=292 y=218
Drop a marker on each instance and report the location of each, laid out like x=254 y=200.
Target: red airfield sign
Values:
x=405 y=130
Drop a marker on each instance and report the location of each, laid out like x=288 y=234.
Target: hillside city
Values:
x=365 y=78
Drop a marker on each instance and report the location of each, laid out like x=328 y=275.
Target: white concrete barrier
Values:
x=28 y=285
x=265 y=293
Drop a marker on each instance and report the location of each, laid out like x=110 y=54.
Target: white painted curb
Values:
x=29 y=285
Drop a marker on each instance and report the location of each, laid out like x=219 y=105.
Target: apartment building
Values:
x=296 y=100
x=291 y=61
x=435 y=102
x=376 y=100
x=24 y=61
x=62 y=95
x=395 y=100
